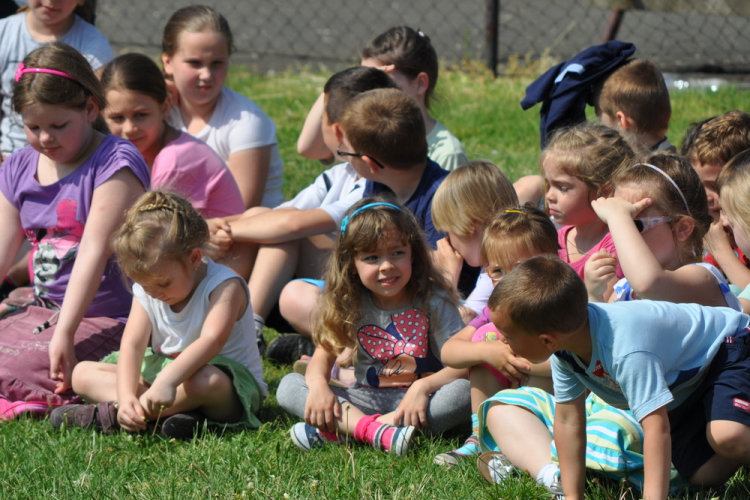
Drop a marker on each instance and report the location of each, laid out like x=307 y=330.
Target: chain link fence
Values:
x=679 y=35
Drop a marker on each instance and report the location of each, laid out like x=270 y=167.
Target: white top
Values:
x=237 y=124
x=334 y=191
x=172 y=332
x=16 y=44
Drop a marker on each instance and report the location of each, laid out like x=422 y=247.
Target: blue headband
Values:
x=345 y=221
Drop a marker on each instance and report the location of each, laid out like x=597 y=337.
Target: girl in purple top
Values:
x=66 y=194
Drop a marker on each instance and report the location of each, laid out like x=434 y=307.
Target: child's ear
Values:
x=92 y=110
x=374 y=167
x=684 y=228
x=337 y=132
x=550 y=341
x=624 y=121
x=167 y=62
x=196 y=256
x=423 y=82
x=166 y=105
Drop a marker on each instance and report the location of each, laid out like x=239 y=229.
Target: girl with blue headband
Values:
x=384 y=299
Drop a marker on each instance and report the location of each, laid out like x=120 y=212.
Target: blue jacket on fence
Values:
x=565 y=89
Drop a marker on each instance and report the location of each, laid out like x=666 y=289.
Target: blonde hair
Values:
x=341 y=304
x=590 y=152
x=470 y=196
x=666 y=197
x=159 y=226
x=734 y=186
x=519 y=230
x=46 y=88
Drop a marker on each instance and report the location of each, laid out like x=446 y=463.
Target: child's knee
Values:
x=730 y=439
x=206 y=381
x=296 y=301
x=83 y=373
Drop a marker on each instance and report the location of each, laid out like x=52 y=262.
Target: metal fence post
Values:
x=492 y=34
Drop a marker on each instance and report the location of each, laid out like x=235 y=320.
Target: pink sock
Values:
x=369 y=430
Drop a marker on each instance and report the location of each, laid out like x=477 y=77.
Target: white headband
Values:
x=671 y=181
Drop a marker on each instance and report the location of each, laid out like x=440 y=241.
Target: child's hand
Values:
x=448 y=260
x=717 y=240
x=220 y=238
x=130 y=414
x=608 y=208
x=502 y=357
x=62 y=360
x=599 y=270
x=157 y=398
x=413 y=407
x=322 y=408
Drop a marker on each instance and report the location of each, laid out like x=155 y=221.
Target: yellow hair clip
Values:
x=514 y=211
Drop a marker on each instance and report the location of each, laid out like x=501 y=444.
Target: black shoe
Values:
x=262 y=347
x=182 y=426
x=286 y=349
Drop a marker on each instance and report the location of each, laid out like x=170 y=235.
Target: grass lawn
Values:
x=36 y=462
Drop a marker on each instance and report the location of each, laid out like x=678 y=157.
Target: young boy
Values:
x=294 y=237
x=382 y=134
x=682 y=369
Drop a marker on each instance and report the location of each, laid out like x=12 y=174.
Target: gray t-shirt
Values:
x=397 y=347
x=17 y=43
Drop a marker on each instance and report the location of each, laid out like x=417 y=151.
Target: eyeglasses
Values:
x=645 y=223
x=357 y=155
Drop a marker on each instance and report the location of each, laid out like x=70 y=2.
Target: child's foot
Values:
x=400 y=440
x=182 y=426
x=286 y=349
x=469 y=449
x=494 y=466
x=307 y=437
x=101 y=416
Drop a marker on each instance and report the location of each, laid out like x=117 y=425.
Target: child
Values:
x=733 y=184
x=196 y=47
x=684 y=375
x=381 y=132
x=511 y=237
x=410 y=59
x=659 y=252
x=577 y=166
x=66 y=192
x=464 y=204
x=381 y=289
x=137 y=105
x=31 y=29
x=196 y=316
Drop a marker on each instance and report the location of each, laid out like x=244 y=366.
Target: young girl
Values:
x=512 y=236
x=195 y=314
x=66 y=193
x=577 y=166
x=733 y=182
x=196 y=47
x=384 y=299
x=410 y=59
x=137 y=105
x=37 y=25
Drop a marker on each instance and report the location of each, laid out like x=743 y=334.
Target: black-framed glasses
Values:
x=357 y=155
x=643 y=224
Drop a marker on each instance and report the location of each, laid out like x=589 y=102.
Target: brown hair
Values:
x=194 y=19
x=160 y=225
x=410 y=52
x=386 y=125
x=638 y=90
x=666 y=198
x=341 y=303
x=45 y=88
x=346 y=84
x=137 y=73
x=590 y=152
x=734 y=185
x=470 y=196
x=720 y=139
x=517 y=230
x=543 y=294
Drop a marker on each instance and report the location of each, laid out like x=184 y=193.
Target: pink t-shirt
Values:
x=606 y=244
x=189 y=167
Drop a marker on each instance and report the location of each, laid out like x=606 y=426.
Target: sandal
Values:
x=102 y=416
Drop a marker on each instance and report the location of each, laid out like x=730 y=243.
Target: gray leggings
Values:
x=449 y=406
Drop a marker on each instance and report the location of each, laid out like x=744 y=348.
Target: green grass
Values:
x=36 y=462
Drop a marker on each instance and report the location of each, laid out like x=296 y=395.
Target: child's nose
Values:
x=129 y=127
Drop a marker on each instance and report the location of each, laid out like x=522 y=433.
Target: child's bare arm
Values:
x=310 y=143
x=11 y=237
x=282 y=225
x=131 y=414
x=322 y=407
x=227 y=303
x=108 y=204
x=570 y=438
x=657 y=454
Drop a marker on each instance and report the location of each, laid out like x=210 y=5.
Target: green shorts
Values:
x=244 y=383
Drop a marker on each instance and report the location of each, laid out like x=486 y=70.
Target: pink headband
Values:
x=23 y=69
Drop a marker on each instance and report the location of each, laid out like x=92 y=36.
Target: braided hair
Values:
x=160 y=225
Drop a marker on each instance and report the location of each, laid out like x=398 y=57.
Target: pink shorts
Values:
x=490 y=333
